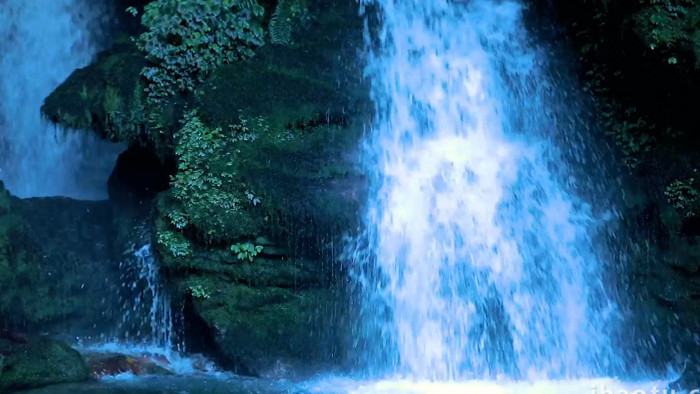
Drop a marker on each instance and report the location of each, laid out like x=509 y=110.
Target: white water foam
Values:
x=170 y=360
x=583 y=386
x=148 y=311
x=478 y=249
x=42 y=42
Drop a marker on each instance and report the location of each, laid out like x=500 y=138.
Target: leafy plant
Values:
x=251 y=197
x=246 y=251
x=210 y=196
x=288 y=13
x=667 y=25
x=174 y=242
x=198 y=291
x=684 y=196
x=186 y=39
x=629 y=130
x=202 y=183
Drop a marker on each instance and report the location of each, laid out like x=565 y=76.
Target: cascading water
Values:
x=148 y=321
x=481 y=261
x=150 y=304
x=43 y=41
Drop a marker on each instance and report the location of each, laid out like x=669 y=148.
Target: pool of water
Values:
x=342 y=385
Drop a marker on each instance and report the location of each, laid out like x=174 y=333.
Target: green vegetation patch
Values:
x=187 y=39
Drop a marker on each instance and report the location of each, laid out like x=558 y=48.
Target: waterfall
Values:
x=480 y=261
x=148 y=322
x=43 y=41
x=149 y=303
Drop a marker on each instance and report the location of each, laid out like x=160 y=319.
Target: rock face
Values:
x=39 y=363
x=58 y=266
x=264 y=184
x=276 y=307
x=281 y=310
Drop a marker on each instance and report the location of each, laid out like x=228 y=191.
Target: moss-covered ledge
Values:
x=105 y=96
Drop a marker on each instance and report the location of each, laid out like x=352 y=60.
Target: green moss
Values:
x=19 y=263
x=40 y=363
x=257 y=89
x=263 y=323
x=105 y=96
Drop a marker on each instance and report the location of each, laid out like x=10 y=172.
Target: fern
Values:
x=251 y=5
x=281 y=24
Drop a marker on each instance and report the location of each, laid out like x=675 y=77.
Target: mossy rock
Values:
x=311 y=174
x=303 y=184
x=40 y=363
x=20 y=267
x=260 y=89
x=317 y=77
x=47 y=286
x=263 y=271
x=255 y=328
x=106 y=96
x=242 y=181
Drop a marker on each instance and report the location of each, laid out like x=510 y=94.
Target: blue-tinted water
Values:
x=42 y=43
x=478 y=248
x=343 y=385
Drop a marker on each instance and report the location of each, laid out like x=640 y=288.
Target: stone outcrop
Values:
x=38 y=363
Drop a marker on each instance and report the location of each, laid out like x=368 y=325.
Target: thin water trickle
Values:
x=42 y=43
x=148 y=321
x=147 y=315
x=154 y=298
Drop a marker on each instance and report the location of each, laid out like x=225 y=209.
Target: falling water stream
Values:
x=42 y=43
x=480 y=250
x=487 y=259
x=480 y=272
x=148 y=320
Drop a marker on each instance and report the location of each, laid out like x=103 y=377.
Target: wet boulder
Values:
x=253 y=246
x=110 y=364
x=106 y=96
